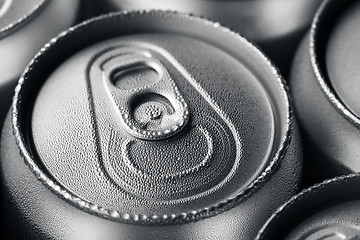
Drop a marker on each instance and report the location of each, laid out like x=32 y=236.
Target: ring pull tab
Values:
x=150 y=104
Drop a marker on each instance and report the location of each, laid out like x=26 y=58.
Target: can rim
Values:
x=321 y=78
x=302 y=12
x=304 y=195
x=112 y=214
x=8 y=29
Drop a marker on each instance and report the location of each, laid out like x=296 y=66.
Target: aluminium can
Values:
x=139 y=126
x=329 y=210
x=25 y=26
x=324 y=84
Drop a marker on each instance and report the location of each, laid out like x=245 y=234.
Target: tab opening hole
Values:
x=136 y=75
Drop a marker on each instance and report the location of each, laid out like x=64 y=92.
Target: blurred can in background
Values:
x=324 y=84
x=330 y=210
x=148 y=126
x=25 y=26
x=277 y=26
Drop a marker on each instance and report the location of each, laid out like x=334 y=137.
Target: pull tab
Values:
x=150 y=104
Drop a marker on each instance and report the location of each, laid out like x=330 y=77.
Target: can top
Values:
x=325 y=210
x=142 y=118
x=15 y=13
x=343 y=56
x=335 y=55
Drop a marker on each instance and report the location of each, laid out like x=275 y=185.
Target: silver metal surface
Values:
x=25 y=26
x=107 y=100
x=329 y=210
x=330 y=128
x=277 y=26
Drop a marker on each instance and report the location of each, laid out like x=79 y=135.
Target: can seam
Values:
x=173 y=218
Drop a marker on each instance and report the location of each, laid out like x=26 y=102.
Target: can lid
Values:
x=329 y=210
x=141 y=117
x=14 y=13
x=334 y=55
x=343 y=56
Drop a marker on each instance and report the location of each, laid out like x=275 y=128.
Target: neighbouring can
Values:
x=324 y=84
x=330 y=210
x=277 y=26
x=25 y=26
x=148 y=125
